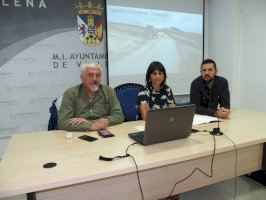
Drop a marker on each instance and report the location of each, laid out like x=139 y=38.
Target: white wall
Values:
x=253 y=69
x=236 y=40
x=221 y=39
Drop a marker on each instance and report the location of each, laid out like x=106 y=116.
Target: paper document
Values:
x=203 y=119
x=140 y=128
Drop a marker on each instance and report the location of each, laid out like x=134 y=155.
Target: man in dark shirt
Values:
x=209 y=90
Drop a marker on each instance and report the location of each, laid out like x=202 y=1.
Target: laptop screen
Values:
x=168 y=124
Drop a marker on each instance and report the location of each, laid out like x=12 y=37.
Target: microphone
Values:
x=217 y=131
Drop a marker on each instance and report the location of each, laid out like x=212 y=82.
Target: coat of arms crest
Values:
x=90 y=23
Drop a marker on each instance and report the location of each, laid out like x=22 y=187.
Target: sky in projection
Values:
x=186 y=22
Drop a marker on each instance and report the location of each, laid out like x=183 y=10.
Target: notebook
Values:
x=165 y=125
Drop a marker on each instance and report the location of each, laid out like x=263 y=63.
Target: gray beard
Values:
x=94 y=89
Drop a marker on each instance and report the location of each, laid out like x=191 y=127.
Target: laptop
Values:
x=165 y=125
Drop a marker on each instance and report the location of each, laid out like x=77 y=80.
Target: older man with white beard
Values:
x=90 y=105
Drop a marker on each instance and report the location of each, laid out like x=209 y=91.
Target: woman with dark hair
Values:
x=156 y=94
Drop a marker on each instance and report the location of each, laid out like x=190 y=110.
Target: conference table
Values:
x=79 y=174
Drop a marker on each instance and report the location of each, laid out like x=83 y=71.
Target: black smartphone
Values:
x=87 y=138
x=105 y=133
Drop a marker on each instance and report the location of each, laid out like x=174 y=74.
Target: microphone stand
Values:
x=217 y=131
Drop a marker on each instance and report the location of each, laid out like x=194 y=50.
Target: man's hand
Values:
x=222 y=112
x=77 y=121
x=100 y=123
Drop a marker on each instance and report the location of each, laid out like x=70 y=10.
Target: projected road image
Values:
x=142 y=36
x=139 y=51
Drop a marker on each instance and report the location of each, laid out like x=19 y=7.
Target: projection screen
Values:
x=142 y=31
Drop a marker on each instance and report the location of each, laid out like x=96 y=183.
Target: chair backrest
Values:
x=127 y=95
x=52 y=124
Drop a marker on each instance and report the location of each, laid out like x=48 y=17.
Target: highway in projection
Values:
x=159 y=47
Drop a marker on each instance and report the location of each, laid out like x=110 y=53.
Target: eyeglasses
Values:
x=91 y=75
x=157 y=73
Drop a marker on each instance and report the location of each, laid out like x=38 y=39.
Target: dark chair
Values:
x=127 y=95
x=52 y=124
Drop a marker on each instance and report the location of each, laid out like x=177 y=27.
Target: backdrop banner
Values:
x=42 y=45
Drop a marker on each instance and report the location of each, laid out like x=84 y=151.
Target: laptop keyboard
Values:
x=138 y=136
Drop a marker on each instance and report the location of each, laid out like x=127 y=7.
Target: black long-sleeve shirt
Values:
x=207 y=99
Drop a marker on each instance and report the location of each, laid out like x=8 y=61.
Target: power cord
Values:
x=196 y=130
x=235 y=164
x=124 y=156
x=210 y=176
x=196 y=169
x=137 y=170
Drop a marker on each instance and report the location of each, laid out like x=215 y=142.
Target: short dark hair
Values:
x=155 y=65
x=208 y=61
